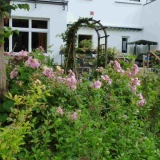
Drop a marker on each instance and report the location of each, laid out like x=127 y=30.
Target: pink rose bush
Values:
x=96 y=84
x=106 y=78
x=22 y=54
x=14 y=73
x=117 y=67
x=31 y=62
x=142 y=101
x=48 y=72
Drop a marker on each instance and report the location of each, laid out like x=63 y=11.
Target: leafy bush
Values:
x=110 y=117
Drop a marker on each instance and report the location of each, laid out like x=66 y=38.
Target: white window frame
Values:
x=29 y=30
x=127 y=37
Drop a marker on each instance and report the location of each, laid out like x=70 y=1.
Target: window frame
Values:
x=127 y=40
x=29 y=30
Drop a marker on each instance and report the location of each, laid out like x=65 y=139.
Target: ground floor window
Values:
x=82 y=38
x=124 y=44
x=32 y=34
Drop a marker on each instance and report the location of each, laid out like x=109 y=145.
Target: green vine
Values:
x=70 y=38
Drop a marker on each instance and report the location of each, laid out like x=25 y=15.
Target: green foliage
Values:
x=5 y=8
x=112 y=53
x=56 y=122
x=86 y=44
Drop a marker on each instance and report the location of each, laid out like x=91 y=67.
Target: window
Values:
x=84 y=37
x=32 y=34
x=20 y=41
x=124 y=44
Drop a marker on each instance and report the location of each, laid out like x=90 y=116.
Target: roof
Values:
x=143 y=42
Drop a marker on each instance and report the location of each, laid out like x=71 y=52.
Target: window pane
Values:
x=23 y=23
x=6 y=22
x=39 y=39
x=6 y=45
x=124 y=45
x=20 y=42
x=39 y=24
x=84 y=37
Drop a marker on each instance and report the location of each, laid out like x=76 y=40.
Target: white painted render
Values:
x=110 y=12
x=150 y=21
x=114 y=39
x=57 y=18
x=114 y=13
x=119 y=13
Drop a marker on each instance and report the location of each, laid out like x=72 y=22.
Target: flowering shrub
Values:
x=110 y=117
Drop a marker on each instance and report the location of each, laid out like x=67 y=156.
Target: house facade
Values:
x=40 y=26
x=125 y=21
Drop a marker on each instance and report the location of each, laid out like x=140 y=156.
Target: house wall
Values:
x=115 y=13
x=150 y=21
x=114 y=39
x=110 y=12
x=57 y=22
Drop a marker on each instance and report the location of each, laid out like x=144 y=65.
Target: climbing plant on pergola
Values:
x=70 y=38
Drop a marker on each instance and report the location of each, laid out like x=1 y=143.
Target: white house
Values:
x=40 y=26
x=125 y=21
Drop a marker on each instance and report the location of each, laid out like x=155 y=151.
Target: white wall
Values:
x=108 y=11
x=57 y=22
x=115 y=37
x=151 y=23
x=114 y=13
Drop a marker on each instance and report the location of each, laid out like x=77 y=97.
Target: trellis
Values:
x=70 y=38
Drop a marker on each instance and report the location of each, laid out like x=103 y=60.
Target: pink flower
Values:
x=14 y=73
x=106 y=78
x=60 y=111
x=60 y=79
x=142 y=102
x=135 y=70
x=97 y=84
x=71 y=82
x=140 y=96
x=71 y=73
x=23 y=53
x=48 y=72
x=134 y=88
x=33 y=63
x=74 y=116
x=7 y=53
x=117 y=67
x=40 y=48
x=135 y=81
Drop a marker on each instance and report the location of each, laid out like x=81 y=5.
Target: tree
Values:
x=5 y=8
